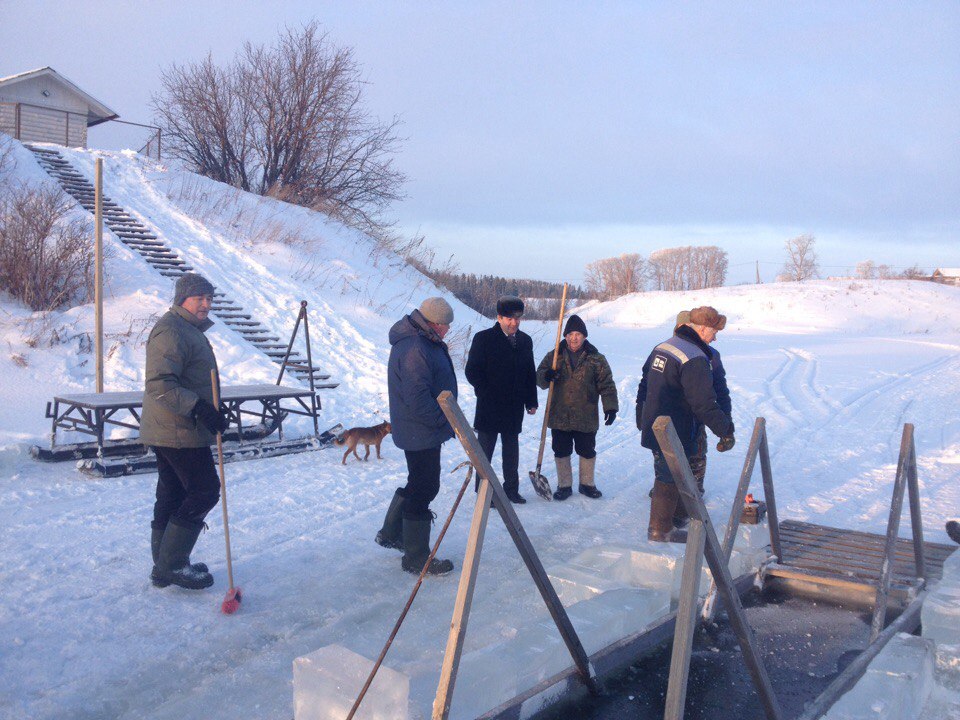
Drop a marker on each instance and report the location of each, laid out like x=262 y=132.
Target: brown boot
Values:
x=662 y=507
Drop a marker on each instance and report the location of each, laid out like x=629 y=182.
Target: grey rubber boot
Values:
x=391 y=534
x=173 y=560
x=416 y=548
x=564 y=478
x=587 y=487
x=662 y=506
x=156 y=536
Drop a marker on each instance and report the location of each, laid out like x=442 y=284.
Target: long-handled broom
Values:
x=231 y=601
x=540 y=484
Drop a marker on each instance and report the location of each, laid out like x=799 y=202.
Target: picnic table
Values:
x=92 y=413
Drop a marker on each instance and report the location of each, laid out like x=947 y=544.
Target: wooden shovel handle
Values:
x=223 y=478
x=556 y=351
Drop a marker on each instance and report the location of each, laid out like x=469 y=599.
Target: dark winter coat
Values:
x=419 y=369
x=179 y=361
x=720 y=382
x=577 y=389
x=678 y=381
x=504 y=379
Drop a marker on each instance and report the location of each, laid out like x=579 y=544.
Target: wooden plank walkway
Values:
x=854 y=555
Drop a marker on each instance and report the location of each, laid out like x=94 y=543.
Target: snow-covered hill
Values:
x=836 y=368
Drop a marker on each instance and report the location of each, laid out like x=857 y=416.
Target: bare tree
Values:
x=801 y=263
x=688 y=268
x=611 y=278
x=287 y=121
x=915 y=273
x=866 y=270
x=46 y=258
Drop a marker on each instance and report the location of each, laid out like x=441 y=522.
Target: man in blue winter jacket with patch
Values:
x=419 y=369
x=678 y=382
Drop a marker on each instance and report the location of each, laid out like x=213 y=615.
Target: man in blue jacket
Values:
x=678 y=382
x=419 y=369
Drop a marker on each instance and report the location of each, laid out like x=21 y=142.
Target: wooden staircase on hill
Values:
x=165 y=260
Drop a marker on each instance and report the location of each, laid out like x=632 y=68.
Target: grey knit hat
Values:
x=437 y=310
x=510 y=306
x=189 y=285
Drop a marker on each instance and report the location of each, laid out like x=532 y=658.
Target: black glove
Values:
x=550 y=375
x=726 y=443
x=207 y=414
x=609 y=417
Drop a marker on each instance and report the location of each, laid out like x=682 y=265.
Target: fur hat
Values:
x=510 y=306
x=190 y=285
x=708 y=317
x=683 y=317
x=437 y=310
x=575 y=324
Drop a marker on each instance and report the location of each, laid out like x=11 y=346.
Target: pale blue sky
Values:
x=545 y=135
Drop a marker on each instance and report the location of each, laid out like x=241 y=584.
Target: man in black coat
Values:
x=500 y=368
x=678 y=381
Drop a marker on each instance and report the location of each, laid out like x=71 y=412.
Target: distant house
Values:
x=43 y=106
x=950 y=276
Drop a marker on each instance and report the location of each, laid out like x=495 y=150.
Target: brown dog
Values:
x=367 y=436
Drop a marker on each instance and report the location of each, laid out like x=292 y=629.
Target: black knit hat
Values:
x=575 y=324
x=510 y=306
x=189 y=285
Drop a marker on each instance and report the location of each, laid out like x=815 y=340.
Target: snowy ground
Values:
x=836 y=368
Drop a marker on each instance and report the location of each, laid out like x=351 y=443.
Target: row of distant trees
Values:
x=482 y=291
x=680 y=268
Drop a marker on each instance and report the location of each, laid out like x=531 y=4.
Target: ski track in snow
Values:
x=836 y=368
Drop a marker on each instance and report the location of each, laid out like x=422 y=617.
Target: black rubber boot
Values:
x=391 y=534
x=173 y=566
x=663 y=504
x=156 y=536
x=416 y=547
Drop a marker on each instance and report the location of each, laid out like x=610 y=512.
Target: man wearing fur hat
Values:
x=179 y=422
x=582 y=379
x=500 y=368
x=419 y=369
x=678 y=382
x=698 y=461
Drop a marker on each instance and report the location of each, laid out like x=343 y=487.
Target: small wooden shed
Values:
x=950 y=276
x=43 y=106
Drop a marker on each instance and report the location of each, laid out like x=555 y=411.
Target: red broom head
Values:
x=231 y=601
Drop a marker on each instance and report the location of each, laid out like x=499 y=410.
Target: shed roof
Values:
x=948 y=272
x=97 y=112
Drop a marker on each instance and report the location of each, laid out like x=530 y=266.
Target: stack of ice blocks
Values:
x=894 y=687
x=326 y=684
x=656 y=566
x=940 y=615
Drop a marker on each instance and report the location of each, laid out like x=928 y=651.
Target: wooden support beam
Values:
x=676 y=459
x=893 y=529
x=769 y=496
x=529 y=556
x=686 y=622
x=736 y=510
x=463 y=603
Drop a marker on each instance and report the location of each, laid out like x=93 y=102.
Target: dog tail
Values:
x=340 y=440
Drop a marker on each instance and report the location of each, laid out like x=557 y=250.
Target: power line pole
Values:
x=758 y=273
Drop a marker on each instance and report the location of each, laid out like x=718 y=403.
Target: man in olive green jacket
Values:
x=179 y=423
x=582 y=378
